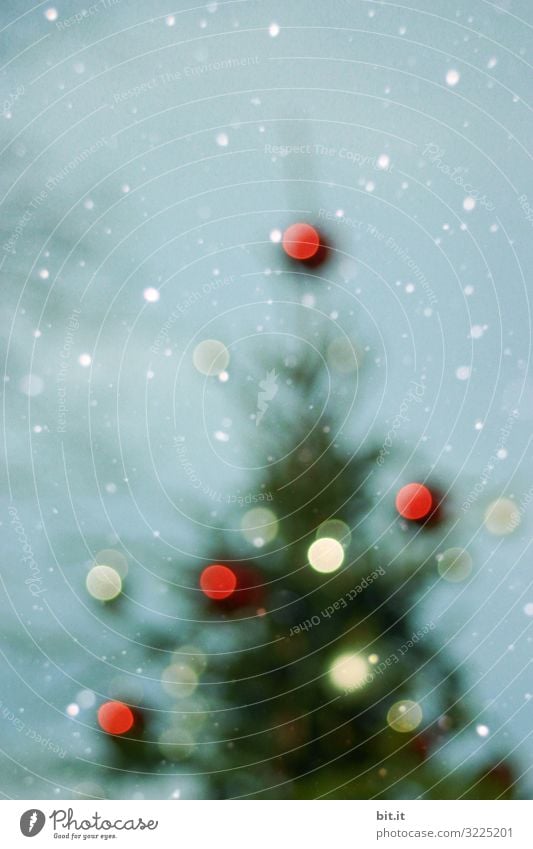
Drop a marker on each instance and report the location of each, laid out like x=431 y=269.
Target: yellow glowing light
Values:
x=373 y=658
x=502 y=517
x=335 y=529
x=211 y=357
x=179 y=680
x=325 y=554
x=115 y=559
x=349 y=671
x=404 y=716
x=259 y=526
x=454 y=564
x=103 y=583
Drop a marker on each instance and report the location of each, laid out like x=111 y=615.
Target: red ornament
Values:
x=301 y=241
x=115 y=717
x=414 y=501
x=218 y=582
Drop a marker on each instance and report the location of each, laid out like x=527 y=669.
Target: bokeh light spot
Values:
x=349 y=671
x=218 y=582
x=103 y=583
x=414 y=501
x=301 y=241
x=335 y=529
x=454 y=564
x=211 y=357
x=325 y=555
x=404 y=716
x=502 y=517
x=113 y=558
x=115 y=717
x=259 y=526
x=342 y=355
x=179 y=680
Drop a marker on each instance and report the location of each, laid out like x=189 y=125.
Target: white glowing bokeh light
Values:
x=222 y=139
x=404 y=716
x=151 y=295
x=349 y=671
x=325 y=555
x=191 y=656
x=342 y=355
x=482 y=730
x=179 y=680
x=86 y=699
x=469 y=204
x=72 y=710
x=44 y=274
x=85 y=360
x=51 y=14
x=335 y=529
x=211 y=357
x=453 y=77
x=502 y=517
x=463 y=372
x=454 y=564
x=103 y=583
x=113 y=558
x=383 y=161
x=31 y=385
x=221 y=436
x=276 y=236
x=528 y=608
x=274 y=30
x=259 y=526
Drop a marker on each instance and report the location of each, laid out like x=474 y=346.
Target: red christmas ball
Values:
x=115 y=717
x=301 y=241
x=414 y=501
x=218 y=582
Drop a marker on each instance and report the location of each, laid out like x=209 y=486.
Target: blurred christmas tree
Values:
x=307 y=672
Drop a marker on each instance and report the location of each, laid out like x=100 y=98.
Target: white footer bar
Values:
x=232 y=825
